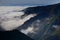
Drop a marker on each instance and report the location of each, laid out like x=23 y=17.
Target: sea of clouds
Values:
x=10 y=18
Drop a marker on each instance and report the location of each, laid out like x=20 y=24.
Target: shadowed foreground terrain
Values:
x=13 y=35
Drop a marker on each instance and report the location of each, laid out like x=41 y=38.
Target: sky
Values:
x=27 y=2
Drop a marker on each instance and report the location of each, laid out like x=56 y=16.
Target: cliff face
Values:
x=43 y=12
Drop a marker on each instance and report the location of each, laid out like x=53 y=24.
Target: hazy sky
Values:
x=28 y=2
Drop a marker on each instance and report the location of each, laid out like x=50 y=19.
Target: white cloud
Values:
x=15 y=23
x=12 y=20
x=11 y=8
x=28 y=30
x=56 y=26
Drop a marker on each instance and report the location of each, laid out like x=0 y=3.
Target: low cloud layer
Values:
x=10 y=20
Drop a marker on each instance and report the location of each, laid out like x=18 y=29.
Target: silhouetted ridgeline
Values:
x=42 y=9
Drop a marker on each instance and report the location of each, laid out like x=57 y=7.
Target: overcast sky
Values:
x=28 y=2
